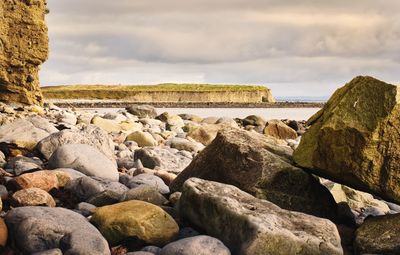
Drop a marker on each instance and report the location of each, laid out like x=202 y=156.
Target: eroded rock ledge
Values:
x=23 y=48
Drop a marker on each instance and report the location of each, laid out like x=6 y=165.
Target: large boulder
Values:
x=90 y=135
x=24 y=47
x=379 y=235
x=355 y=138
x=250 y=226
x=85 y=159
x=255 y=164
x=138 y=219
x=27 y=132
x=37 y=229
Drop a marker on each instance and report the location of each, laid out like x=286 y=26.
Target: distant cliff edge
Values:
x=164 y=93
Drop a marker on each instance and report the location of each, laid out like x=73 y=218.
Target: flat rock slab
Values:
x=250 y=226
x=37 y=229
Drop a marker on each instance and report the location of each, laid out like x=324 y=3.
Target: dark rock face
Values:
x=251 y=226
x=354 y=139
x=255 y=164
x=379 y=235
x=23 y=48
x=37 y=229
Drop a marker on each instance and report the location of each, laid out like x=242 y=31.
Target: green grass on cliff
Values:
x=107 y=91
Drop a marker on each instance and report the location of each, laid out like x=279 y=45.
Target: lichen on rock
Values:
x=23 y=48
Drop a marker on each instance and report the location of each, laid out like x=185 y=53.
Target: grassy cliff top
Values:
x=169 y=87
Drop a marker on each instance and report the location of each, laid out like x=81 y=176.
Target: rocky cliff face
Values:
x=23 y=47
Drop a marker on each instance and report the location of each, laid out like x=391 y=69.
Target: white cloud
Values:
x=309 y=46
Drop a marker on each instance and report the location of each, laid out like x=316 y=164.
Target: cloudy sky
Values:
x=295 y=47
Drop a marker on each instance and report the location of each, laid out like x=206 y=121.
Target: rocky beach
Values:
x=148 y=182
x=139 y=181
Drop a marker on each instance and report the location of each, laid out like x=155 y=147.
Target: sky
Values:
x=295 y=47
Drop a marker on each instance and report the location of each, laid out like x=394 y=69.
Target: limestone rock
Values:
x=255 y=164
x=379 y=235
x=143 y=139
x=280 y=130
x=27 y=132
x=199 y=245
x=85 y=159
x=90 y=135
x=222 y=210
x=23 y=48
x=37 y=229
x=357 y=200
x=138 y=219
x=45 y=180
x=33 y=197
x=354 y=139
x=142 y=111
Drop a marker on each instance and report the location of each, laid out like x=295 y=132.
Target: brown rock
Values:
x=33 y=197
x=3 y=233
x=280 y=130
x=24 y=46
x=45 y=180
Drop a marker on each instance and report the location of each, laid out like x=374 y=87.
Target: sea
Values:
x=266 y=113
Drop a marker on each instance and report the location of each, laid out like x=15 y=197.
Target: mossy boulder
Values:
x=138 y=219
x=355 y=138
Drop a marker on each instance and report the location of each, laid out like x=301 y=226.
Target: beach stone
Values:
x=205 y=134
x=146 y=193
x=138 y=219
x=149 y=180
x=22 y=164
x=186 y=145
x=200 y=245
x=140 y=253
x=163 y=159
x=167 y=177
x=67 y=117
x=85 y=209
x=37 y=229
x=26 y=132
x=73 y=174
x=143 y=139
x=254 y=120
x=142 y=111
x=171 y=120
x=264 y=227
x=3 y=193
x=104 y=198
x=191 y=117
x=49 y=252
x=257 y=165
x=85 y=159
x=87 y=187
x=354 y=139
x=33 y=197
x=152 y=249
x=45 y=180
x=210 y=120
x=90 y=135
x=105 y=124
x=279 y=130
x=356 y=199
x=3 y=233
x=379 y=235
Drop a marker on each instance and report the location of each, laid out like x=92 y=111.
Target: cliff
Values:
x=23 y=48
x=164 y=93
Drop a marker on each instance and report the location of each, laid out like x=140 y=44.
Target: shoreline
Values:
x=123 y=104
